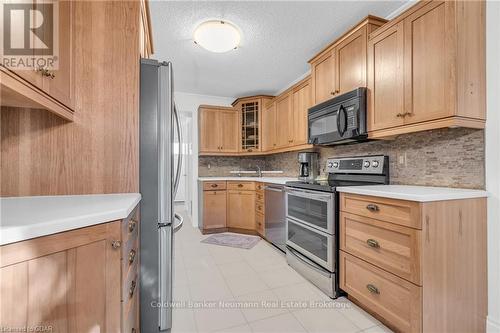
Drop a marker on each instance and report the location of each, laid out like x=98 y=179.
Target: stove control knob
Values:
x=335 y=164
x=375 y=164
x=367 y=164
x=330 y=164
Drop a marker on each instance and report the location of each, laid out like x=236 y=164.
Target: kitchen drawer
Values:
x=259 y=207
x=213 y=186
x=396 y=300
x=259 y=223
x=259 y=196
x=392 y=247
x=241 y=186
x=401 y=212
x=131 y=315
x=130 y=285
x=129 y=261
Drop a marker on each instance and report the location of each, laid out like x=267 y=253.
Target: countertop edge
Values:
x=466 y=194
x=14 y=234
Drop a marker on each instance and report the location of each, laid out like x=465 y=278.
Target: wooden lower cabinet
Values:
x=214 y=209
x=241 y=209
x=73 y=281
x=418 y=267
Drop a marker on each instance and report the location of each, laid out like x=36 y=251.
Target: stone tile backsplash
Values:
x=444 y=157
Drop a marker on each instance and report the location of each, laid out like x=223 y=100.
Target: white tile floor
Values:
x=252 y=291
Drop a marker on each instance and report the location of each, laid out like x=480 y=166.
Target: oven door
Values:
x=314 y=208
x=316 y=245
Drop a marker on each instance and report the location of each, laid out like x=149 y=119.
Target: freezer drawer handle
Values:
x=372 y=243
x=372 y=208
x=371 y=288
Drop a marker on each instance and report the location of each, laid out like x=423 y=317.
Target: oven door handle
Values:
x=308 y=194
x=308 y=262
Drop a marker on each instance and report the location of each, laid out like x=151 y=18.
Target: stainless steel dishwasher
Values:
x=275 y=224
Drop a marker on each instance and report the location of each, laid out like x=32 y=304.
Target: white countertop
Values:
x=271 y=180
x=414 y=193
x=23 y=218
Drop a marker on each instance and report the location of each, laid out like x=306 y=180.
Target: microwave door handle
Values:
x=344 y=127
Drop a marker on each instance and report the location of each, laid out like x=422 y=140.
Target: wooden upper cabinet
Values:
x=269 y=127
x=284 y=120
x=428 y=65
x=209 y=130
x=437 y=50
x=218 y=129
x=58 y=83
x=351 y=62
x=229 y=120
x=302 y=100
x=385 y=79
x=323 y=77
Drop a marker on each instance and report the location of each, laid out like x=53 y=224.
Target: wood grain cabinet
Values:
x=269 y=122
x=342 y=65
x=218 y=129
x=214 y=206
x=427 y=69
x=145 y=31
x=418 y=267
x=241 y=209
x=46 y=87
x=73 y=281
x=284 y=120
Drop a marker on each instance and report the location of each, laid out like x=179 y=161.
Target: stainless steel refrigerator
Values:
x=159 y=178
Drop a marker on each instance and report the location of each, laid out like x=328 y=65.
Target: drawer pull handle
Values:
x=372 y=243
x=131 y=226
x=371 y=288
x=116 y=244
x=214 y=185
x=132 y=289
x=240 y=185
x=372 y=208
x=131 y=256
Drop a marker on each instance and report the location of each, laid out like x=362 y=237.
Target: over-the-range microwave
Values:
x=341 y=119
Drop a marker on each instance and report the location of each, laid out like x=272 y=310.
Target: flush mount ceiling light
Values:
x=217 y=36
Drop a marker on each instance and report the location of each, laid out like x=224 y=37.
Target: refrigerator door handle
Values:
x=179 y=154
x=178 y=226
x=165 y=278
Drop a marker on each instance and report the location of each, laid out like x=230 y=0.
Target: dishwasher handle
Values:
x=274 y=189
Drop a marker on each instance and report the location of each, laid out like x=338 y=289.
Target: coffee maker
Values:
x=308 y=166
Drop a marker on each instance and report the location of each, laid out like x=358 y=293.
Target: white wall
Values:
x=493 y=161
x=187 y=102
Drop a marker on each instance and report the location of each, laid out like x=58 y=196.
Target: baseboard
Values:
x=492 y=326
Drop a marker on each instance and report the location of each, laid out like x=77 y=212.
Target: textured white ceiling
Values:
x=278 y=38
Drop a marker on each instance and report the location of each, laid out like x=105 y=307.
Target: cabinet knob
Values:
x=45 y=72
x=371 y=288
x=131 y=256
x=131 y=289
x=332 y=92
x=240 y=185
x=372 y=243
x=131 y=225
x=214 y=185
x=116 y=244
x=372 y=208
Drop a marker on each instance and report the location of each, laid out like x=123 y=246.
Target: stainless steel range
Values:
x=312 y=244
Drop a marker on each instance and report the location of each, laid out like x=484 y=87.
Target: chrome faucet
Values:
x=259 y=171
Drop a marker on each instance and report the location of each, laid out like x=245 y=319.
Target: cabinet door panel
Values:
x=301 y=103
x=351 y=62
x=209 y=130
x=60 y=86
x=229 y=121
x=214 y=209
x=385 y=79
x=324 y=78
x=428 y=71
x=284 y=119
x=269 y=128
x=241 y=209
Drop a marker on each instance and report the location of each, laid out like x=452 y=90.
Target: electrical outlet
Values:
x=209 y=165
x=402 y=160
